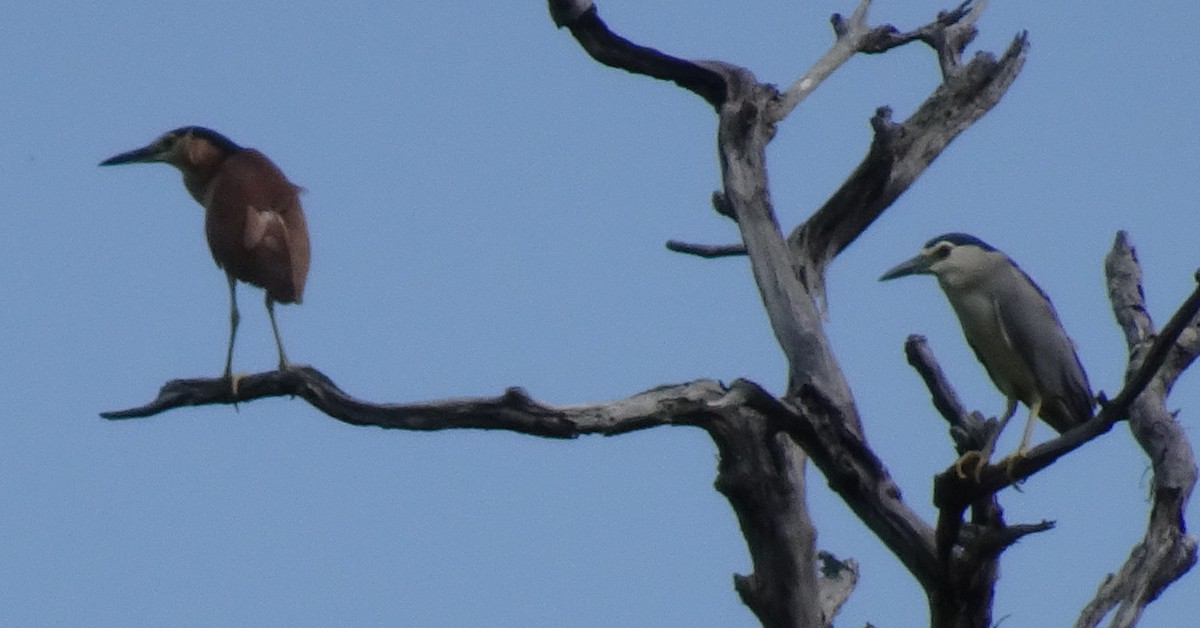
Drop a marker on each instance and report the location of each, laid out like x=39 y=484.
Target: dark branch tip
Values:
x=839 y=25
x=881 y=122
x=566 y=12
x=832 y=566
x=991 y=540
x=880 y=39
x=722 y=206
x=707 y=251
x=517 y=396
x=948 y=18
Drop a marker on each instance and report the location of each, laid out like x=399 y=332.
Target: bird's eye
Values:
x=942 y=252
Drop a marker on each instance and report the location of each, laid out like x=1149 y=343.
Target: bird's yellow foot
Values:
x=234 y=378
x=1008 y=463
x=970 y=458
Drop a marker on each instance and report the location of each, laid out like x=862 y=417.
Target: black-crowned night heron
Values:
x=252 y=216
x=1013 y=329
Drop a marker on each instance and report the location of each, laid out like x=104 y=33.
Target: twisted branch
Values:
x=1166 y=551
x=514 y=410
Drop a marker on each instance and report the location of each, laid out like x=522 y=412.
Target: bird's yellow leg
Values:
x=1033 y=414
x=979 y=459
x=1034 y=409
x=234 y=318
x=283 y=361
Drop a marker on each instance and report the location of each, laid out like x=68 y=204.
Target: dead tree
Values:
x=764 y=442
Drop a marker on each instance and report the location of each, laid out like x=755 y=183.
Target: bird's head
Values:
x=955 y=258
x=188 y=148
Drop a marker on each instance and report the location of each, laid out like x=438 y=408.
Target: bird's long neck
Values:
x=200 y=163
x=198 y=181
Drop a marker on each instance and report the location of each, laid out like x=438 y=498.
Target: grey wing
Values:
x=1029 y=319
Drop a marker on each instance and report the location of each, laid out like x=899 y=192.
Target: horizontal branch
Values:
x=753 y=450
x=709 y=251
x=515 y=410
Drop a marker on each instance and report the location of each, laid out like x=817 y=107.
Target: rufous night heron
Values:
x=252 y=217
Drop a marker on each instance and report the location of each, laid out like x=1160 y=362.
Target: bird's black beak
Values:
x=918 y=265
x=145 y=154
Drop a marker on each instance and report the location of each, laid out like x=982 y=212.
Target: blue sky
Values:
x=487 y=208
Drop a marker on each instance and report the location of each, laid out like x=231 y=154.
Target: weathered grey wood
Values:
x=1166 y=551
x=899 y=153
x=514 y=410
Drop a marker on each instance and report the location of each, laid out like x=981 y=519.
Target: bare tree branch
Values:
x=564 y=12
x=899 y=154
x=1166 y=551
x=987 y=535
x=515 y=410
x=947 y=35
x=706 y=250
x=615 y=51
x=969 y=430
x=852 y=470
x=753 y=449
x=818 y=411
x=783 y=589
x=838 y=578
x=825 y=421
x=994 y=540
x=851 y=36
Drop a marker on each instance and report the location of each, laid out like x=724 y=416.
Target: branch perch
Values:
x=515 y=410
x=706 y=250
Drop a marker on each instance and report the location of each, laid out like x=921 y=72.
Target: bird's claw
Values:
x=1009 y=462
x=970 y=457
x=234 y=378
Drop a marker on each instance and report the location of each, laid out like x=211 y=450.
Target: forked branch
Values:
x=1166 y=551
x=899 y=153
